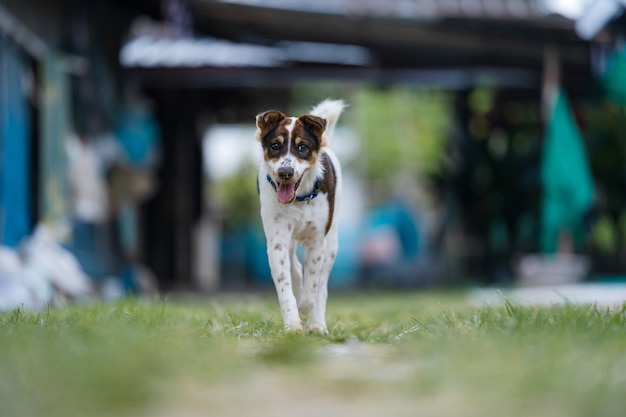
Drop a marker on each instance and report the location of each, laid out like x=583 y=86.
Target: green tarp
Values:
x=568 y=189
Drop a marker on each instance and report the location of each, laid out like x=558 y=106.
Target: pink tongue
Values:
x=286 y=192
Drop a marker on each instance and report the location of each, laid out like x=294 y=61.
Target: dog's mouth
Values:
x=287 y=191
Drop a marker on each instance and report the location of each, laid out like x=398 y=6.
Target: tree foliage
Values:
x=403 y=130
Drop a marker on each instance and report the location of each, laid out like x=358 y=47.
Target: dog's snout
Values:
x=285 y=173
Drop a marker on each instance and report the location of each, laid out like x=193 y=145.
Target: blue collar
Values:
x=307 y=197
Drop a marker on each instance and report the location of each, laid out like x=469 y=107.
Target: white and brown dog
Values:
x=299 y=184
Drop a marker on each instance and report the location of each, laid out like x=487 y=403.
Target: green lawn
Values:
x=409 y=354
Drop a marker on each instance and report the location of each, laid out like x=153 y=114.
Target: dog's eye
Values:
x=275 y=146
x=302 y=148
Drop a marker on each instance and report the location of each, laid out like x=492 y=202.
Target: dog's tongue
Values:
x=286 y=192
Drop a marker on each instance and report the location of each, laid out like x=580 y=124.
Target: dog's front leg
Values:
x=278 y=255
x=312 y=285
x=317 y=320
x=296 y=272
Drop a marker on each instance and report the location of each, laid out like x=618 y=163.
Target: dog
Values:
x=299 y=185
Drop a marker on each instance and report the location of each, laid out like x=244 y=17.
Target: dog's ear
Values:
x=314 y=124
x=269 y=120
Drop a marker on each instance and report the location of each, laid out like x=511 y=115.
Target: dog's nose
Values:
x=285 y=173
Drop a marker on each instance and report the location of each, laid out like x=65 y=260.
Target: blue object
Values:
x=15 y=201
x=397 y=215
x=138 y=134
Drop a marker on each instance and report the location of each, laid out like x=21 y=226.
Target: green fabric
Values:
x=614 y=78
x=568 y=188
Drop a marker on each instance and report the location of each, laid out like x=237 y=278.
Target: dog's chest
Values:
x=309 y=219
x=301 y=221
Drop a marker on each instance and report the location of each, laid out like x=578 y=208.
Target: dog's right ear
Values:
x=268 y=121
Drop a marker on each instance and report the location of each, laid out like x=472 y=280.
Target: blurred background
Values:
x=484 y=142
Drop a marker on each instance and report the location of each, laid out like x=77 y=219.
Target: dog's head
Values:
x=291 y=147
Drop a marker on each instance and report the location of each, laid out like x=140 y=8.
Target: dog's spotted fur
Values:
x=299 y=186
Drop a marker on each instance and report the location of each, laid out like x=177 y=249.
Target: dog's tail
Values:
x=329 y=110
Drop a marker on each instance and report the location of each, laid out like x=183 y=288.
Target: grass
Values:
x=407 y=354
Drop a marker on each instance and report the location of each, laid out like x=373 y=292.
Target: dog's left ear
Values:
x=314 y=124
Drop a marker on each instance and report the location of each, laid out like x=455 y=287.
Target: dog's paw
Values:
x=317 y=328
x=293 y=328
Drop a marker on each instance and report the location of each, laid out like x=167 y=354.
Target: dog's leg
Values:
x=278 y=255
x=317 y=320
x=296 y=272
x=312 y=286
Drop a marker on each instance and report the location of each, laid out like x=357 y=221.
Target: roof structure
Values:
x=408 y=9
x=449 y=42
